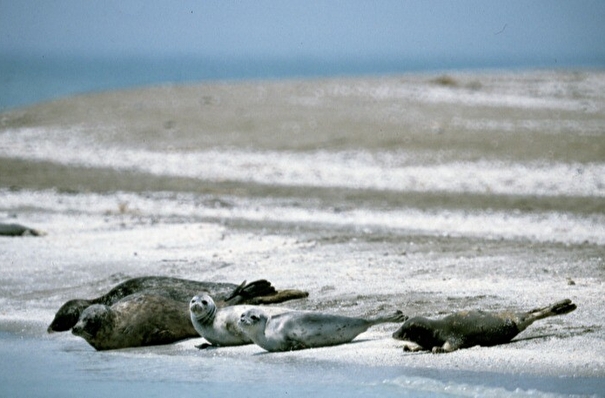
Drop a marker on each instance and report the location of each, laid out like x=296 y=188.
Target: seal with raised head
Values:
x=296 y=330
x=137 y=320
x=219 y=326
x=257 y=292
x=471 y=328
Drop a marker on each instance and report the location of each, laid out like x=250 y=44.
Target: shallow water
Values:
x=372 y=194
x=48 y=367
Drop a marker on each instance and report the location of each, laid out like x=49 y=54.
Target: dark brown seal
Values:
x=471 y=328
x=173 y=288
x=18 y=230
x=173 y=293
x=137 y=320
x=158 y=313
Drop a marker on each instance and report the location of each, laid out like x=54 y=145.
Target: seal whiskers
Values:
x=202 y=310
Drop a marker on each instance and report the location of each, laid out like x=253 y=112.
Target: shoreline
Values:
x=557 y=347
x=282 y=372
x=374 y=195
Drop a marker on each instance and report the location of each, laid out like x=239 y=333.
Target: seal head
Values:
x=181 y=290
x=96 y=325
x=202 y=309
x=67 y=316
x=219 y=326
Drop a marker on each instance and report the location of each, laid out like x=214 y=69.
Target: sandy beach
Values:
x=424 y=193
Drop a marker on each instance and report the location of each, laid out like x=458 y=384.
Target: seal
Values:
x=219 y=326
x=18 y=230
x=296 y=330
x=257 y=292
x=137 y=320
x=141 y=319
x=471 y=328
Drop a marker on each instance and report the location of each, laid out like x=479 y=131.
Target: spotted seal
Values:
x=219 y=325
x=137 y=320
x=257 y=292
x=295 y=330
x=470 y=328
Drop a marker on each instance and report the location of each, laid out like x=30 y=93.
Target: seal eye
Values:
x=254 y=317
x=204 y=302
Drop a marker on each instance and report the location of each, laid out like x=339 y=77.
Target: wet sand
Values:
x=359 y=249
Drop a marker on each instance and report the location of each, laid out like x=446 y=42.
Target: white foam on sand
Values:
x=392 y=171
x=540 y=226
x=543 y=90
x=83 y=249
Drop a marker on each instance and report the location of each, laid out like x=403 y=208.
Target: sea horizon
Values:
x=28 y=78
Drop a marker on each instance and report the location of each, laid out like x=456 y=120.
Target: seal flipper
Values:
x=559 y=308
x=247 y=291
x=236 y=292
x=410 y=346
x=294 y=344
x=395 y=317
x=261 y=287
x=262 y=292
x=448 y=346
x=280 y=297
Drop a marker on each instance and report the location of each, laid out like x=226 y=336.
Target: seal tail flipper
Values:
x=393 y=318
x=280 y=297
x=236 y=291
x=448 y=346
x=559 y=308
x=246 y=291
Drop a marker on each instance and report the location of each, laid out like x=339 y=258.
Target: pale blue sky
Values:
x=563 y=30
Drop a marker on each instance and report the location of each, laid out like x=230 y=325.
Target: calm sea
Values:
x=25 y=80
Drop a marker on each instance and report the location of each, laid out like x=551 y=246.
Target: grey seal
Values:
x=152 y=310
x=257 y=292
x=471 y=328
x=296 y=330
x=137 y=320
x=14 y=229
x=219 y=326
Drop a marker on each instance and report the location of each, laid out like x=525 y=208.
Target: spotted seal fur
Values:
x=471 y=328
x=153 y=310
x=296 y=330
x=219 y=326
x=257 y=292
x=137 y=320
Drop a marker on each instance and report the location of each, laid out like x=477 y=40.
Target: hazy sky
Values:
x=474 y=28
